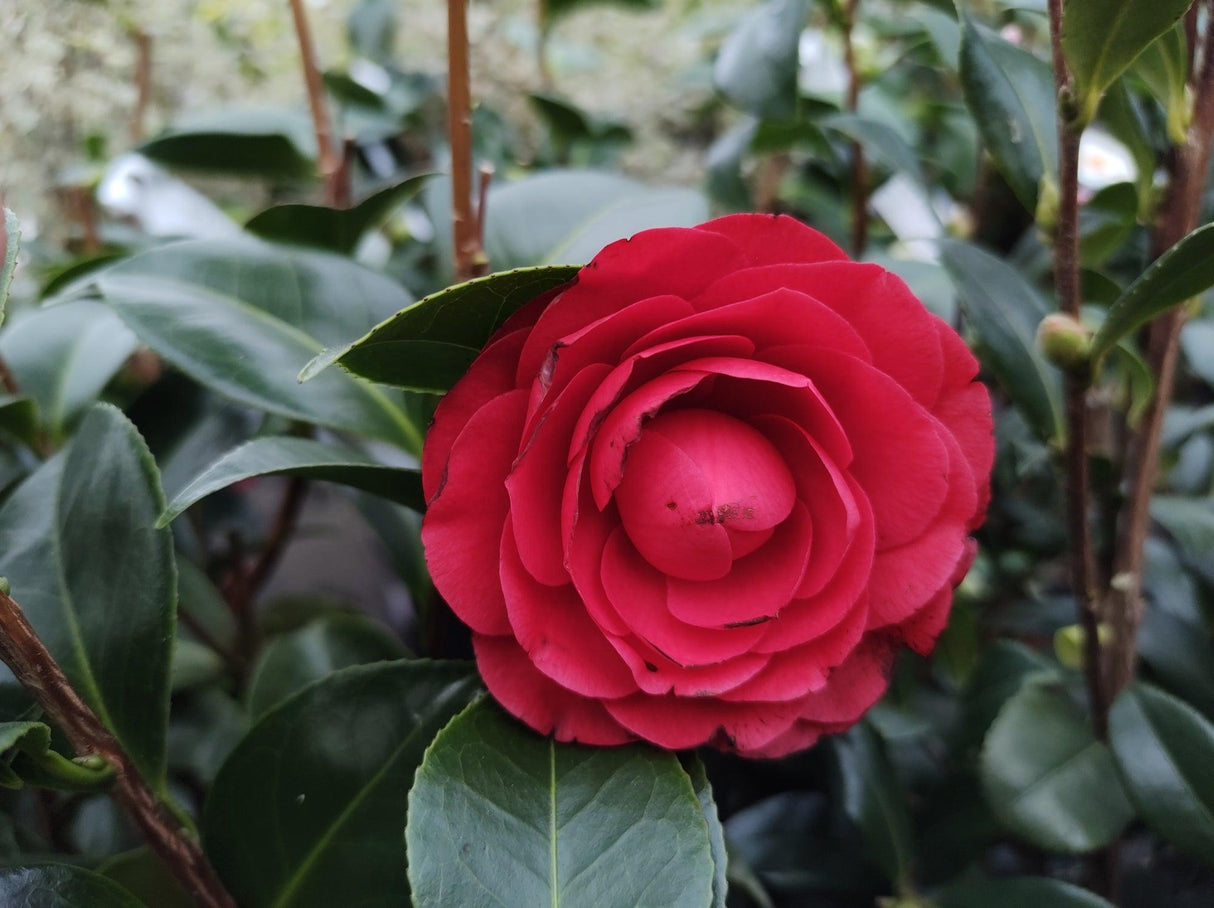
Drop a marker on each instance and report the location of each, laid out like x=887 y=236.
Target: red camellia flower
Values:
x=701 y=494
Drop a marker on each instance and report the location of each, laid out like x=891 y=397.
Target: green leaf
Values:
x=299 y=457
x=874 y=800
x=19 y=416
x=431 y=344
x=24 y=736
x=1017 y=892
x=756 y=68
x=10 y=242
x=64 y=356
x=551 y=10
x=1004 y=311
x=294 y=660
x=244 y=317
x=1190 y=521
x=1100 y=38
x=716 y=832
x=1180 y=274
x=61 y=886
x=247 y=142
x=1164 y=67
x=561 y=217
x=1010 y=93
x=501 y=815
x=308 y=809
x=1106 y=222
x=879 y=139
x=1165 y=752
x=371 y=29
x=144 y=875
x=96 y=578
x=1046 y=776
x=334 y=229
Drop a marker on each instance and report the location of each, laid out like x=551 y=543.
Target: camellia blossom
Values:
x=703 y=493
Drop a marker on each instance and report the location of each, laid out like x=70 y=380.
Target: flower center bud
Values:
x=701 y=489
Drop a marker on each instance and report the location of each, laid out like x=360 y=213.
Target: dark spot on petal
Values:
x=673 y=505
x=651 y=666
x=753 y=621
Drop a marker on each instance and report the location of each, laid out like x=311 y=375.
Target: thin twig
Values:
x=859 y=168
x=469 y=256
x=1178 y=216
x=38 y=672
x=1066 y=284
x=485 y=172
x=143 y=83
x=329 y=159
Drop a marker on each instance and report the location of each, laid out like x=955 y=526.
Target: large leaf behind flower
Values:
x=243 y=317
x=431 y=344
x=308 y=810
x=78 y=543
x=501 y=815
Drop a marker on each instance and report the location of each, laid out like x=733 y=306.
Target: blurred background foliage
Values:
x=298 y=557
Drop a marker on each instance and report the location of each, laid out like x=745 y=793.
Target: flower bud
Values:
x=1065 y=341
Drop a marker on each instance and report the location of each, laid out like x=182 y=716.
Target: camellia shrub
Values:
x=837 y=533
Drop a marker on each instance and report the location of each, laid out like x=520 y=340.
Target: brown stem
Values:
x=327 y=155
x=143 y=83
x=1066 y=285
x=859 y=171
x=470 y=258
x=280 y=534
x=1178 y=216
x=541 y=44
x=38 y=672
x=485 y=172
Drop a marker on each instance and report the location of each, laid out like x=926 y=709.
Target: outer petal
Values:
x=905 y=578
x=551 y=624
x=680 y=722
x=462 y=528
x=675 y=261
x=768 y=239
x=540 y=702
x=491 y=375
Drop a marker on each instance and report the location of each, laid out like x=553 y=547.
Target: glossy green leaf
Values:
x=1106 y=222
x=756 y=68
x=10 y=242
x=1181 y=273
x=1010 y=93
x=308 y=809
x=62 y=886
x=292 y=661
x=244 y=317
x=300 y=457
x=1004 y=311
x=243 y=142
x=19 y=416
x=1100 y=38
x=561 y=217
x=501 y=815
x=1165 y=752
x=1190 y=521
x=334 y=229
x=874 y=800
x=716 y=832
x=144 y=875
x=96 y=578
x=880 y=140
x=64 y=356
x=1046 y=776
x=1018 y=892
x=1164 y=67
x=431 y=344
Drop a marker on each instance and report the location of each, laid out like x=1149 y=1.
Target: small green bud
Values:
x=4 y=586
x=94 y=762
x=1065 y=341
x=1069 y=643
x=1049 y=198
